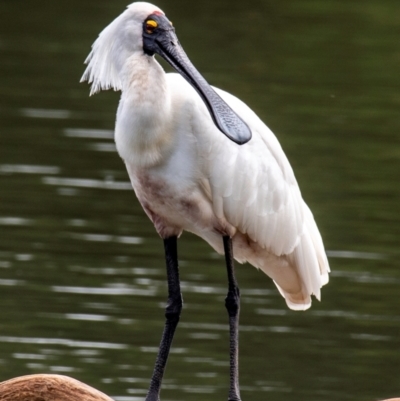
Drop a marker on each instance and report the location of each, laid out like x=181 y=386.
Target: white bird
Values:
x=200 y=160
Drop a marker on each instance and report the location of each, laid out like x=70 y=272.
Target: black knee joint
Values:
x=173 y=309
x=232 y=302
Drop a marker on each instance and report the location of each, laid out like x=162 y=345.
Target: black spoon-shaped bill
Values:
x=159 y=37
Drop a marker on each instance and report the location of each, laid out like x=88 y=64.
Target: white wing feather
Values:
x=258 y=194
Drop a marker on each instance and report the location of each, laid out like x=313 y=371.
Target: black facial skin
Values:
x=152 y=39
x=163 y=41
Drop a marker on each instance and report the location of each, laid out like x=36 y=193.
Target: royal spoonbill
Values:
x=200 y=160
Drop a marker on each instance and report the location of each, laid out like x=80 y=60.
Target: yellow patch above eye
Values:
x=151 y=23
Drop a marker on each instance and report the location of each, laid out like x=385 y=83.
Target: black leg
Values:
x=172 y=313
x=232 y=303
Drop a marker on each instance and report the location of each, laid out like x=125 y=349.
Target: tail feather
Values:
x=309 y=268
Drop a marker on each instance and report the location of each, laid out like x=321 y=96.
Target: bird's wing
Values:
x=255 y=190
x=254 y=187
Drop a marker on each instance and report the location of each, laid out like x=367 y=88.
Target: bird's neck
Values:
x=142 y=131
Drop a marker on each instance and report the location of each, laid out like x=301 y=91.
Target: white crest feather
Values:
x=101 y=71
x=115 y=44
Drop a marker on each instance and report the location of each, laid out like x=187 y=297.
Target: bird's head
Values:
x=144 y=28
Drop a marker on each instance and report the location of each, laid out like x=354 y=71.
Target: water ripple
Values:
x=106 y=238
x=365 y=277
x=150 y=292
x=86 y=352
x=24 y=257
x=132 y=380
x=11 y=282
x=45 y=113
x=61 y=341
x=89 y=133
x=136 y=391
x=173 y=350
x=87 y=317
x=272 y=312
x=14 y=221
x=225 y=327
x=38 y=366
x=198 y=389
x=103 y=147
x=356 y=255
x=204 y=336
x=29 y=356
x=111 y=271
x=354 y=315
x=5 y=264
x=201 y=289
x=87 y=183
x=28 y=169
x=62 y=369
x=370 y=337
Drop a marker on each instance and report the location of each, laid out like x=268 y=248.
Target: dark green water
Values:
x=82 y=278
